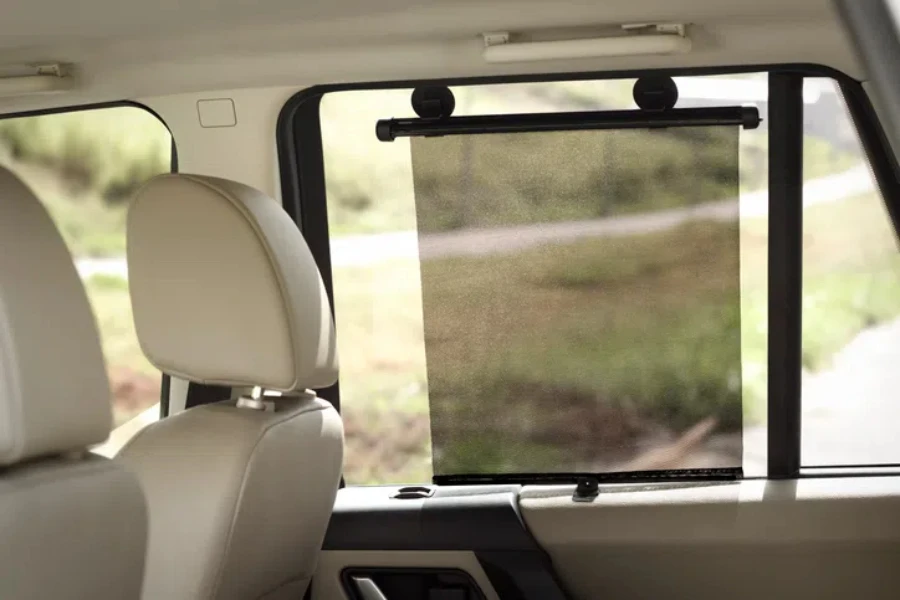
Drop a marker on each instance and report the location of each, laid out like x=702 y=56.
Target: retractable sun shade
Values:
x=581 y=288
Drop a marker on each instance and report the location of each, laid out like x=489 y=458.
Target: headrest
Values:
x=54 y=395
x=224 y=288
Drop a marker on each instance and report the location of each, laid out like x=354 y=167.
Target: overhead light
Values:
x=635 y=40
x=33 y=79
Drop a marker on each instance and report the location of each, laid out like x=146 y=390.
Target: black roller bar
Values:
x=747 y=117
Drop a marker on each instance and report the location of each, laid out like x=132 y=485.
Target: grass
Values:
x=647 y=331
x=495 y=356
x=851 y=281
x=387 y=429
x=852 y=275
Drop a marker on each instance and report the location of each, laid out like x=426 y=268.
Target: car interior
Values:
x=449 y=300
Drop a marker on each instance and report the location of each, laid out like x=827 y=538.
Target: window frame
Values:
x=303 y=193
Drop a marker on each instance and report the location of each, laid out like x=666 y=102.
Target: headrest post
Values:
x=256 y=400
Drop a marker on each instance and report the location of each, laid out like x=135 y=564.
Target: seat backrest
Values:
x=225 y=291
x=72 y=525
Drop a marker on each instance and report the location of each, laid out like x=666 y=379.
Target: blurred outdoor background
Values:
x=85 y=165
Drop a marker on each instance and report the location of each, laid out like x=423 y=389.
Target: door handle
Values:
x=368 y=589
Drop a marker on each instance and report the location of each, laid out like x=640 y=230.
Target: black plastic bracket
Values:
x=655 y=92
x=433 y=101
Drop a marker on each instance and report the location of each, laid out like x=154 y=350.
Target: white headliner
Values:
x=124 y=48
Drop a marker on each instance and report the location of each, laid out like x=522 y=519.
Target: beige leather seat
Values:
x=225 y=292
x=72 y=525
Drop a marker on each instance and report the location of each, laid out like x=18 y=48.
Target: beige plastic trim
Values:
x=807 y=539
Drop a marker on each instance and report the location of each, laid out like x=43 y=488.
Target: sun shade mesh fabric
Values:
x=581 y=296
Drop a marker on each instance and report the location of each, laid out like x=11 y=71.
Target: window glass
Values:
x=379 y=296
x=83 y=166
x=851 y=298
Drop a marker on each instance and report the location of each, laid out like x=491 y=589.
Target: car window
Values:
x=385 y=286
x=674 y=411
x=84 y=165
x=851 y=300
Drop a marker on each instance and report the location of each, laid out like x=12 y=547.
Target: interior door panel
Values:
x=476 y=529
x=808 y=539
x=330 y=583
